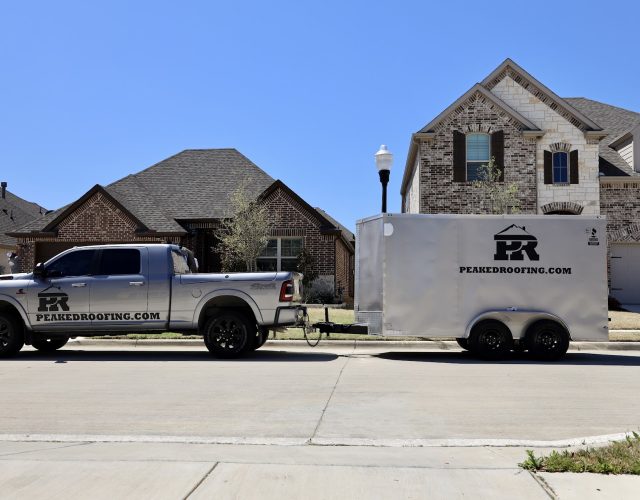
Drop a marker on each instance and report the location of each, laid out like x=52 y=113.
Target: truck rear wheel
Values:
x=48 y=344
x=261 y=338
x=226 y=335
x=547 y=340
x=490 y=339
x=11 y=335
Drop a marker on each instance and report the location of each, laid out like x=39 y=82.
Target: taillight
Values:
x=286 y=291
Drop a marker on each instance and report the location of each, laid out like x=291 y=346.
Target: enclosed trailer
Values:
x=494 y=282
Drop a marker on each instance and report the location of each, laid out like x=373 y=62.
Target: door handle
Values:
x=78 y=285
x=136 y=283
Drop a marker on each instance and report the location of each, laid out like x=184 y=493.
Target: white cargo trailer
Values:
x=495 y=282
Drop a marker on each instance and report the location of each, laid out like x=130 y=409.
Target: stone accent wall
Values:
x=561 y=134
x=620 y=202
x=440 y=194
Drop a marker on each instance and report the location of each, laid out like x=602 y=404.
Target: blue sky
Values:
x=93 y=91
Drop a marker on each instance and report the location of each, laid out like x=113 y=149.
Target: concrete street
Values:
x=354 y=420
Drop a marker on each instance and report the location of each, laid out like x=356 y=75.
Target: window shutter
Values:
x=573 y=167
x=548 y=168
x=459 y=157
x=497 y=151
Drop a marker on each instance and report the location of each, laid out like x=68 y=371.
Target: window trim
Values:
x=466 y=153
x=278 y=255
x=566 y=167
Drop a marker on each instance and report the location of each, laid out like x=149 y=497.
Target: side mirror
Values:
x=39 y=271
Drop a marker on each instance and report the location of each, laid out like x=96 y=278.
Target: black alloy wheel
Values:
x=547 y=340
x=490 y=339
x=11 y=335
x=227 y=334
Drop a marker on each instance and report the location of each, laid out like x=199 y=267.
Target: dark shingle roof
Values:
x=14 y=213
x=617 y=122
x=348 y=235
x=196 y=183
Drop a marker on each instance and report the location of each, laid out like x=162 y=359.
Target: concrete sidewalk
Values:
x=34 y=470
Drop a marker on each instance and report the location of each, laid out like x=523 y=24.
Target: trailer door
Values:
x=625 y=272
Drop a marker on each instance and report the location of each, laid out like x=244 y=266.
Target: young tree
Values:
x=245 y=231
x=307 y=266
x=501 y=197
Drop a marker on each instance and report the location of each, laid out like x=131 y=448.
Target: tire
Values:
x=261 y=338
x=464 y=343
x=490 y=339
x=547 y=340
x=11 y=335
x=228 y=334
x=48 y=344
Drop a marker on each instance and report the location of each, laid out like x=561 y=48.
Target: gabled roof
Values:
x=14 y=213
x=537 y=88
x=618 y=122
x=348 y=235
x=477 y=88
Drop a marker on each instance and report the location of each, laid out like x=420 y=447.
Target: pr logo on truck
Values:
x=514 y=242
x=52 y=301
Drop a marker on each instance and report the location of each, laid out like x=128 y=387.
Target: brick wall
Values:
x=344 y=271
x=440 y=194
x=95 y=221
x=620 y=202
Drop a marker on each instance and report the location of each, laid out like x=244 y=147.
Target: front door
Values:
x=119 y=295
x=60 y=301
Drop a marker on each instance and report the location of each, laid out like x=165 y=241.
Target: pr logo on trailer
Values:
x=52 y=301
x=514 y=242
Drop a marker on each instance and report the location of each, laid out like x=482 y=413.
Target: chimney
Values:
x=3 y=185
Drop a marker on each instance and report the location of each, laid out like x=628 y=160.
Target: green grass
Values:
x=621 y=457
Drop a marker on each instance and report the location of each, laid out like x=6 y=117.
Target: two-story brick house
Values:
x=566 y=155
x=183 y=199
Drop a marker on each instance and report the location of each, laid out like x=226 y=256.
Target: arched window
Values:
x=560 y=168
x=478 y=154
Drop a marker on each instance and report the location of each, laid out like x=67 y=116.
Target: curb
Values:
x=443 y=345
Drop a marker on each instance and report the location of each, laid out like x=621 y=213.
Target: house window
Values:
x=560 y=170
x=478 y=154
x=281 y=254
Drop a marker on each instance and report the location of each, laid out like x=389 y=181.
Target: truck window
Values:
x=76 y=263
x=119 y=261
x=180 y=265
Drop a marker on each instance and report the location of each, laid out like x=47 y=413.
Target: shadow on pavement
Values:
x=69 y=356
x=571 y=358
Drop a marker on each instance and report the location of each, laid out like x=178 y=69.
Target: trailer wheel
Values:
x=48 y=344
x=227 y=334
x=490 y=339
x=464 y=343
x=11 y=335
x=547 y=340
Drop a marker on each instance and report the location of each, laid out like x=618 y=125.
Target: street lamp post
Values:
x=384 y=159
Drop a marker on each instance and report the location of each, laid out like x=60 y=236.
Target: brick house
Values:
x=14 y=212
x=182 y=199
x=566 y=155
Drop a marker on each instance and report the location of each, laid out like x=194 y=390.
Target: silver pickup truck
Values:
x=114 y=289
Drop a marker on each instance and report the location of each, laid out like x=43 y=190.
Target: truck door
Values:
x=120 y=288
x=60 y=300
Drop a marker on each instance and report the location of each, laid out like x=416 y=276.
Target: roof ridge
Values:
x=606 y=104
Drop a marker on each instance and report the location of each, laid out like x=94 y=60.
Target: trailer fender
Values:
x=517 y=321
x=227 y=293
x=12 y=304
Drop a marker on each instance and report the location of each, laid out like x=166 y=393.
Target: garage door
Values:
x=625 y=273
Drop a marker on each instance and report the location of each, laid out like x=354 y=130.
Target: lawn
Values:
x=621 y=457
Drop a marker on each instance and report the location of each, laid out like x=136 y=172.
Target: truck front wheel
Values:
x=48 y=344
x=227 y=334
x=547 y=340
x=490 y=339
x=11 y=335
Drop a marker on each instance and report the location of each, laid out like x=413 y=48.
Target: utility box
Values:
x=439 y=275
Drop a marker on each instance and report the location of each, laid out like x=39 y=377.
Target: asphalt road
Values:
x=358 y=421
